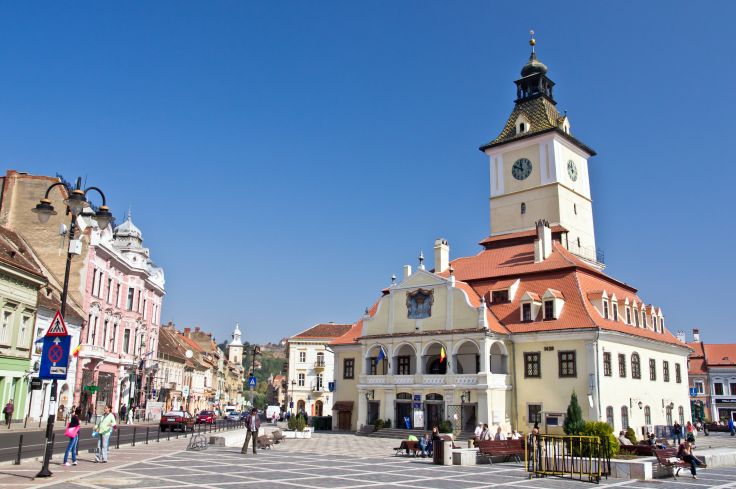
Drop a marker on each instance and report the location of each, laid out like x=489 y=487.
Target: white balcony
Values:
x=466 y=379
x=92 y=352
x=434 y=379
x=403 y=379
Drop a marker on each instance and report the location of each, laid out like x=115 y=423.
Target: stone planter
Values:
x=307 y=433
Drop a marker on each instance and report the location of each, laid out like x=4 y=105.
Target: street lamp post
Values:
x=256 y=351
x=75 y=204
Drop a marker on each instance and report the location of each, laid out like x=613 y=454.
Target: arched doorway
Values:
x=434 y=407
x=403 y=410
x=318 y=407
x=300 y=406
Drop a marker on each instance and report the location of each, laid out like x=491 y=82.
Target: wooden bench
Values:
x=408 y=447
x=666 y=458
x=501 y=448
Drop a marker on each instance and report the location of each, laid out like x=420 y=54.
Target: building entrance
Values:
x=403 y=410
x=469 y=417
x=374 y=408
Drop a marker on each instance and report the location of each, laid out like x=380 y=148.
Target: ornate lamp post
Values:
x=75 y=205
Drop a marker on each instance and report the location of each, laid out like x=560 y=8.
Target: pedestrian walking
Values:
x=731 y=427
x=253 y=422
x=8 y=412
x=690 y=432
x=122 y=412
x=104 y=429
x=89 y=414
x=72 y=432
x=676 y=433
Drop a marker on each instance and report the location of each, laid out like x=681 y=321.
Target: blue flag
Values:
x=381 y=355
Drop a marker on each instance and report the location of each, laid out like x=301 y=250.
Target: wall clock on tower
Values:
x=572 y=170
x=521 y=168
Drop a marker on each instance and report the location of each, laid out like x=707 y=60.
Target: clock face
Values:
x=521 y=169
x=572 y=170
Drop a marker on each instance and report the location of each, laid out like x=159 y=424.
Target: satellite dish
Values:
x=189 y=354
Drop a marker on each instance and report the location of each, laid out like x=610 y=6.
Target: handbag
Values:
x=72 y=431
x=95 y=434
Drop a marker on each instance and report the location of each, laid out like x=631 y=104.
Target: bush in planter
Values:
x=604 y=432
x=387 y=423
x=300 y=423
x=378 y=425
x=631 y=435
x=445 y=426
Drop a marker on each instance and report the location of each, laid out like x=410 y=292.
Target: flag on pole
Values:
x=75 y=352
x=442 y=354
x=381 y=355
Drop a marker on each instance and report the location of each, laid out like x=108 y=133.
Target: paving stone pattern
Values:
x=341 y=461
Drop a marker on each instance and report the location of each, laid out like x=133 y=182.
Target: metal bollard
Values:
x=134 y=429
x=117 y=440
x=20 y=449
x=146 y=435
x=158 y=435
x=168 y=435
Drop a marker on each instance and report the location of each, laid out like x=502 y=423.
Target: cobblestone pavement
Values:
x=339 y=461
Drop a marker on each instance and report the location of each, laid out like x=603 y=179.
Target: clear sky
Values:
x=283 y=159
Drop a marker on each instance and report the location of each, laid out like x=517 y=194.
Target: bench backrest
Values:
x=665 y=453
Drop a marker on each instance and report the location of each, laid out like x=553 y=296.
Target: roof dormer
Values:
x=553 y=301
x=504 y=291
x=522 y=124
x=599 y=299
x=530 y=306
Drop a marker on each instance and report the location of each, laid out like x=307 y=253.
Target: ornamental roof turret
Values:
x=535 y=106
x=128 y=229
x=236 y=341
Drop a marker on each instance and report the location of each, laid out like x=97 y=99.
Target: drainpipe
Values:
x=513 y=386
x=597 y=372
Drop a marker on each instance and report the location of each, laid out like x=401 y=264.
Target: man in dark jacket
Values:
x=8 y=412
x=252 y=424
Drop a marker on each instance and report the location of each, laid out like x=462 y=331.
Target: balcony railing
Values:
x=319 y=364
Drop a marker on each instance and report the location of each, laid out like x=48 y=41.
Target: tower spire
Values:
x=532 y=41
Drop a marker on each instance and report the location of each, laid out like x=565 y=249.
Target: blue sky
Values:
x=283 y=159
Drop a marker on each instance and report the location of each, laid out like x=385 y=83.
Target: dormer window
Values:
x=605 y=309
x=549 y=309
x=643 y=319
x=628 y=316
x=615 y=311
x=526 y=312
x=636 y=317
x=654 y=322
x=500 y=296
x=522 y=125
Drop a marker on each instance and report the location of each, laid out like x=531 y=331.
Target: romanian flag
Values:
x=75 y=352
x=442 y=354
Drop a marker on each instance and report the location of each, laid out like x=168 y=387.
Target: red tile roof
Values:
x=697 y=366
x=14 y=253
x=325 y=330
x=562 y=271
x=720 y=355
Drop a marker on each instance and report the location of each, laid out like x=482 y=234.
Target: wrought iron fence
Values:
x=575 y=457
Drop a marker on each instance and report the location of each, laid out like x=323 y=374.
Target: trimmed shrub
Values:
x=387 y=423
x=631 y=435
x=378 y=425
x=445 y=426
x=604 y=432
x=300 y=423
x=574 y=423
x=291 y=424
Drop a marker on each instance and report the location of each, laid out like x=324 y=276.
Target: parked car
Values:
x=233 y=416
x=208 y=417
x=176 y=420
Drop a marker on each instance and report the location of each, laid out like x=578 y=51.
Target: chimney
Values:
x=543 y=243
x=407 y=271
x=187 y=332
x=696 y=335
x=681 y=336
x=441 y=255
x=196 y=329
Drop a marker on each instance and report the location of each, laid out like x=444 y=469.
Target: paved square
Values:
x=342 y=461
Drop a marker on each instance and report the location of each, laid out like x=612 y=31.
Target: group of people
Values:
x=483 y=433
x=104 y=428
x=426 y=441
x=684 y=447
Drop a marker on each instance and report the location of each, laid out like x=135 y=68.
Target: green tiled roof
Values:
x=542 y=116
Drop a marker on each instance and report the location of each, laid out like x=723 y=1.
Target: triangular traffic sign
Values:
x=57 y=326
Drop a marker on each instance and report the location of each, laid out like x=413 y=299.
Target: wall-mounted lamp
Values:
x=369 y=395
x=465 y=397
x=638 y=403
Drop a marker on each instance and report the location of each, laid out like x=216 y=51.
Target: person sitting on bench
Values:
x=685 y=452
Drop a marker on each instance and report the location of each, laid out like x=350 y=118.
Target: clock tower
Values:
x=538 y=169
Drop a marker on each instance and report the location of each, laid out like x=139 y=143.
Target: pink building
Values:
x=122 y=296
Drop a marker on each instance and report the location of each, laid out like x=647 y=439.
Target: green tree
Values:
x=574 y=423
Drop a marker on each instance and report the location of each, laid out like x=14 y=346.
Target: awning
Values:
x=343 y=406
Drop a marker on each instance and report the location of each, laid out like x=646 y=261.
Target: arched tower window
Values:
x=523 y=208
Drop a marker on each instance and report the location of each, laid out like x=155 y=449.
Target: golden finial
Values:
x=532 y=41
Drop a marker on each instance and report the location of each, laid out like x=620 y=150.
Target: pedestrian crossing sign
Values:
x=57 y=327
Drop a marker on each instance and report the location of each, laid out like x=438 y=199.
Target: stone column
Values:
x=389 y=396
x=362 y=409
